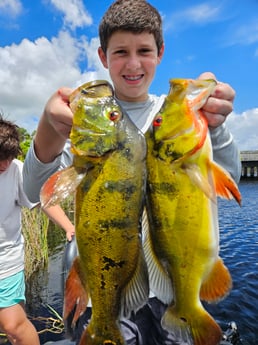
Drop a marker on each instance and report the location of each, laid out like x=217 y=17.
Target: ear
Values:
x=103 y=57
x=161 y=53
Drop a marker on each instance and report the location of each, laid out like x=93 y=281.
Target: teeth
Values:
x=133 y=78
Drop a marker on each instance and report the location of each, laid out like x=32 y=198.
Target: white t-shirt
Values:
x=12 y=199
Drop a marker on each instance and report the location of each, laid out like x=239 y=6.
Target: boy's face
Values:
x=4 y=164
x=132 y=60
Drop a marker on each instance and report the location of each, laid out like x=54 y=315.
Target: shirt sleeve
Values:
x=35 y=173
x=21 y=198
x=225 y=151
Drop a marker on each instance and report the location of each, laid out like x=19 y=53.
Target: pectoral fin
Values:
x=198 y=179
x=224 y=184
x=60 y=185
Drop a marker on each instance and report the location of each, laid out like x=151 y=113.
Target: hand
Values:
x=220 y=104
x=58 y=113
x=70 y=233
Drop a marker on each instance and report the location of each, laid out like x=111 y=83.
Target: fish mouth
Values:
x=196 y=93
x=93 y=90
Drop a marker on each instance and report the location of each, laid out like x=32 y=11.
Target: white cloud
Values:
x=244 y=129
x=243 y=34
x=75 y=14
x=200 y=14
x=10 y=7
x=32 y=71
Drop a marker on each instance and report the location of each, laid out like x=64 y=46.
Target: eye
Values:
x=114 y=115
x=157 y=121
x=121 y=51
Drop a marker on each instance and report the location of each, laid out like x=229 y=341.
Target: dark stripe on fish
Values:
x=162 y=188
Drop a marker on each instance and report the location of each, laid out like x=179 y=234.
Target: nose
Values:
x=133 y=62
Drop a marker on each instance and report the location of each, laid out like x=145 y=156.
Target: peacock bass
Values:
x=183 y=182
x=108 y=174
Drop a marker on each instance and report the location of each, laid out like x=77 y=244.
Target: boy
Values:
x=131 y=47
x=13 y=320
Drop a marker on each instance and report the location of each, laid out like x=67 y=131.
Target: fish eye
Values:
x=114 y=115
x=157 y=121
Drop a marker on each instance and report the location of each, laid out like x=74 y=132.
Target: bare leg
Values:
x=15 y=324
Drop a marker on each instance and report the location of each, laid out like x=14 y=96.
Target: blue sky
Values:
x=46 y=44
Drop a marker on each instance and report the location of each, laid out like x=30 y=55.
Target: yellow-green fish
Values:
x=109 y=175
x=182 y=186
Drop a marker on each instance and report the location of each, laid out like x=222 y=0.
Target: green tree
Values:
x=25 y=141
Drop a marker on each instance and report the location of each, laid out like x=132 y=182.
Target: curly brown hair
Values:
x=9 y=139
x=136 y=16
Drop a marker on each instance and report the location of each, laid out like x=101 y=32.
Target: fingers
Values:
x=220 y=104
x=214 y=120
x=64 y=93
x=58 y=112
x=216 y=105
x=70 y=235
x=216 y=110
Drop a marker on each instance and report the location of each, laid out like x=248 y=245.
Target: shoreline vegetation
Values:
x=35 y=226
x=40 y=235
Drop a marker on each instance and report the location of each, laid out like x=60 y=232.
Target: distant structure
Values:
x=249 y=161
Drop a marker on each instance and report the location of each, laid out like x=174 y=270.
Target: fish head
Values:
x=180 y=126
x=96 y=120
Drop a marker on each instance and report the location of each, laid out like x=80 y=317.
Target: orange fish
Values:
x=183 y=182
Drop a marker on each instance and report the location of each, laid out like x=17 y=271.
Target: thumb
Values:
x=207 y=75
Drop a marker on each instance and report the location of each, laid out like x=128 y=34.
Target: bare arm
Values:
x=47 y=152
x=58 y=216
x=54 y=126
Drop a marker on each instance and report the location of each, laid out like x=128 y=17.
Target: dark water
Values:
x=239 y=249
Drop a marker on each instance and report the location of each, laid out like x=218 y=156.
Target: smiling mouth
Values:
x=133 y=77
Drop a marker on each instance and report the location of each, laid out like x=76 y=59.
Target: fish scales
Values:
x=110 y=160
x=183 y=238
